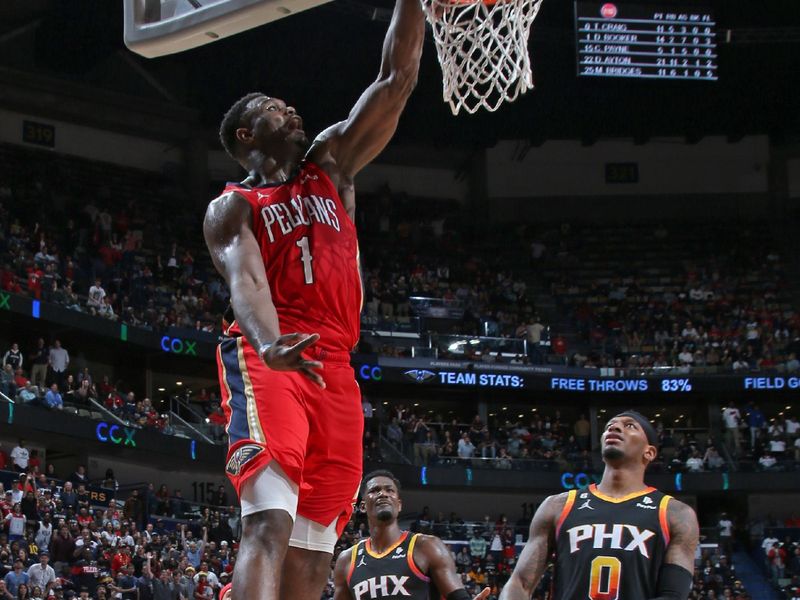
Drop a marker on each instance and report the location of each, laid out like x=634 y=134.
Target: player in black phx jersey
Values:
x=393 y=563
x=619 y=540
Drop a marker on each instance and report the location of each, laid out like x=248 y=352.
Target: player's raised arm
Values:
x=353 y=143
x=341 y=591
x=236 y=255
x=533 y=559
x=442 y=570
x=677 y=572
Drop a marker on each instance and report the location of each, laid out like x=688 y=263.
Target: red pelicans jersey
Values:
x=310 y=252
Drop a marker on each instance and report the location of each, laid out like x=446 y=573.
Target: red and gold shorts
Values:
x=315 y=435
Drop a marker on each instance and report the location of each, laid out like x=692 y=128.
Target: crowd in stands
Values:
x=61 y=539
x=144 y=263
x=629 y=296
x=51 y=383
x=41 y=374
x=115 y=255
x=766 y=444
x=693 y=295
x=543 y=442
x=777 y=544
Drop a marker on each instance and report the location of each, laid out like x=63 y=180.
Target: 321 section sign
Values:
x=646 y=42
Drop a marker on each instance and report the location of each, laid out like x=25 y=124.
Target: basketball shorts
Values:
x=314 y=435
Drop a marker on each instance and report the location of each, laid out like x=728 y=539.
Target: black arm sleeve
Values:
x=459 y=595
x=674 y=583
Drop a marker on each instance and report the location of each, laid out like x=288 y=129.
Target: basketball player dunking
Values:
x=285 y=242
x=620 y=540
x=394 y=563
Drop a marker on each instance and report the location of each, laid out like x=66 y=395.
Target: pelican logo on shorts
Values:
x=420 y=375
x=241 y=457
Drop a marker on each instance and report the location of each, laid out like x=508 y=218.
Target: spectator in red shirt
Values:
x=34 y=462
x=777 y=561
x=5 y=503
x=19 y=378
x=8 y=282
x=84 y=518
x=121 y=559
x=35 y=282
x=114 y=401
x=217 y=421
x=105 y=387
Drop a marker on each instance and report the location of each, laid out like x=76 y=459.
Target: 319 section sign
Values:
x=646 y=42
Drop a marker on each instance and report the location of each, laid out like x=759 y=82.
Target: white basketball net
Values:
x=483 y=50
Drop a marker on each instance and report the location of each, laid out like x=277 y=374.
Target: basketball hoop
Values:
x=483 y=50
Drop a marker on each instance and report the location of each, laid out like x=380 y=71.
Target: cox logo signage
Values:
x=370 y=373
x=114 y=434
x=571 y=481
x=179 y=346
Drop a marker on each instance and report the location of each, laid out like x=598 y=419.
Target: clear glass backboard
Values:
x=158 y=27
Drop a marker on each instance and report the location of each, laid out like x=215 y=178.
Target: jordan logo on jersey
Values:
x=385 y=586
x=300 y=210
x=631 y=536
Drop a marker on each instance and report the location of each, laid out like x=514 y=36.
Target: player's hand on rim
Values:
x=285 y=354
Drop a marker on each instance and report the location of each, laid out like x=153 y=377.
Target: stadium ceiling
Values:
x=332 y=52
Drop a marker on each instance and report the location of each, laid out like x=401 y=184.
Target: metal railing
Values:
x=179 y=427
x=427 y=455
x=10 y=404
x=188 y=416
x=392 y=453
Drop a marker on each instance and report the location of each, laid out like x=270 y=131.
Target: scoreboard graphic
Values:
x=645 y=42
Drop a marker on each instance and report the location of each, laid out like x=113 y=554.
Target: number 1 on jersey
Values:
x=306 y=258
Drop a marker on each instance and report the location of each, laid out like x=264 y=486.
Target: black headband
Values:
x=649 y=430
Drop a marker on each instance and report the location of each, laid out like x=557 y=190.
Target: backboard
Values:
x=158 y=27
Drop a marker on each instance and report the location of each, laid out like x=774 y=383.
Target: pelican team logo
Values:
x=420 y=375
x=608 y=11
x=241 y=456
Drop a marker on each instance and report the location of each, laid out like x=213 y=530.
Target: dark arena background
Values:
x=616 y=238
